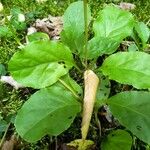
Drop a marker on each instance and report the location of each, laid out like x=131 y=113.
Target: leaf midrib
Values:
x=119 y=68
x=45 y=63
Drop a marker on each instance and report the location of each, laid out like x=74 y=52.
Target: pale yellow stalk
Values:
x=91 y=82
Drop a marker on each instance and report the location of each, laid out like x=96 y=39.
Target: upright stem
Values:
x=86 y=31
x=70 y=89
x=98 y=123
x=3 y=138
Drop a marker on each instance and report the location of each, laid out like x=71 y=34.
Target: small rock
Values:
x=31 y=30
x=50 y=25
x=126 y=6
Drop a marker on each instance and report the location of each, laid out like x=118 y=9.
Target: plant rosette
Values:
x=45 y=65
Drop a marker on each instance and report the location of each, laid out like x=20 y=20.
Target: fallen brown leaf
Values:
x=51 y=25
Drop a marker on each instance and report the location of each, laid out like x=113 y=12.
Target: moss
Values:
x=10 y=100
x=52 y=7
x=142 y=11
x=7 y=48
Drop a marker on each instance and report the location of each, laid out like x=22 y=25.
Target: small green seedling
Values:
x=11 y=24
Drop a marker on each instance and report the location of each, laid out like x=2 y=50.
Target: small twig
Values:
x=78 y=68
x=147 y=23
x=3 y=138
x=56 y=143
x=98 y=123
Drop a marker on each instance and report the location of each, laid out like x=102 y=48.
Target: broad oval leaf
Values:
x=101 y=45
x=114 y=23
x=110 y=28
x=142 y=31
x=73 y=21
x=117 y=140
x=49 y=111
x=128 y=68
x=132 y=109
x=37 y=36
x=41 y=63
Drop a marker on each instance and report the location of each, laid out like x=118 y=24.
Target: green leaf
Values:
x=2 y=70
x=114 y=23
x=5 y=32
x=37 y=36
x=133 y=47
x=128 y=68
x=142 y=31
x=132 y=109
x=117 y=140
x=101 y=45
x=73 y=19
x=110 y=28
x=41 y=64
x=15 y=11
x=49 y=111
x=14 y=19
x=18 y=25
